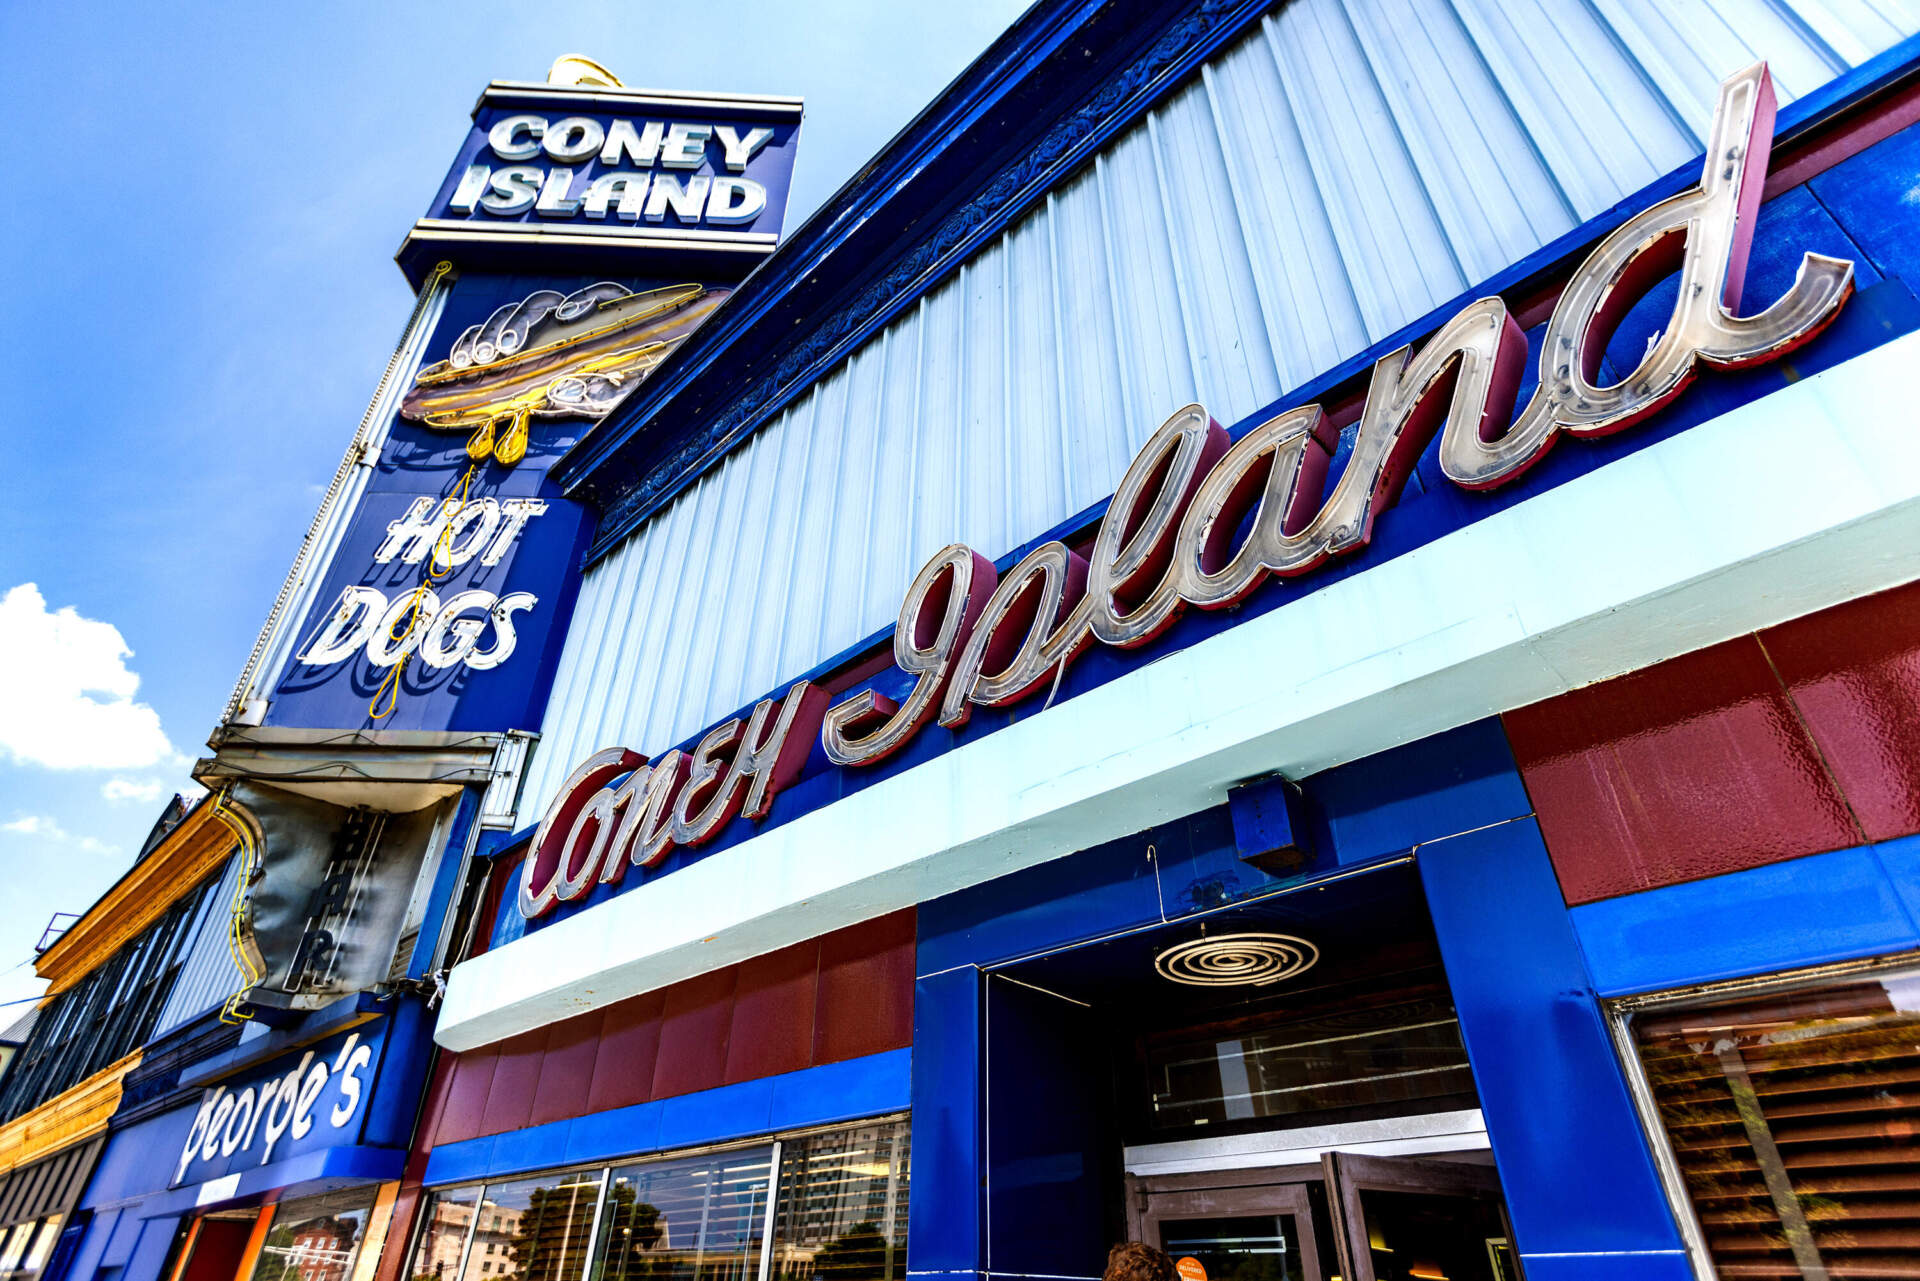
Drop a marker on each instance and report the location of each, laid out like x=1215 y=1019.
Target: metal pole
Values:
x=773 y=1197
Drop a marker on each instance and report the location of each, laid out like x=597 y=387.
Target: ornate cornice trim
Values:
x=183 y=858
x=70 y=1116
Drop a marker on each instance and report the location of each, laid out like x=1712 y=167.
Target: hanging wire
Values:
x=243 y=959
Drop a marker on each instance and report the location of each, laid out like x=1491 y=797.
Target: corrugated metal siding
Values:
x=1345 y=168
x=207 y=975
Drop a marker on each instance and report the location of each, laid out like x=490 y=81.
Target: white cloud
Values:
x=48 y=829
x=67 y=702
x=132 y=789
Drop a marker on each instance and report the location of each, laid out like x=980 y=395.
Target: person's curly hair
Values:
x=1138 y=1261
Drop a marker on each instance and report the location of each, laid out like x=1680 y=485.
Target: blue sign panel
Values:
x=442 y=609
x=446 y=602
x=623 y=161
x=302 y=1102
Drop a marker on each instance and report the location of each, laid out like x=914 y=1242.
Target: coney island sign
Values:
x=584 y=231
x=587 y=167
x=1200 y=520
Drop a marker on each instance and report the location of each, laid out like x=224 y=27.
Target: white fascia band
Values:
x=1789 y=504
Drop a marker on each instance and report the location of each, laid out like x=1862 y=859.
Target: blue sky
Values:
x=200 y=297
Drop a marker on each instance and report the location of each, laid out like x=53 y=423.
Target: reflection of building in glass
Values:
x=312 y=1241
x=843 y=1205
x=493 y=1238
x=840 y=1214
x=322 y=1249
x=441 y=1241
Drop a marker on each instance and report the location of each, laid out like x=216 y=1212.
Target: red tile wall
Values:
x=841 y=996
x=1801 y=738
x=1854 y=673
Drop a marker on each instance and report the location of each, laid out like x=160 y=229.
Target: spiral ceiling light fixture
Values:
x=1237 y=960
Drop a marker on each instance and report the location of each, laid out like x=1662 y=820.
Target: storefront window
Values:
x=843 y=1205
x=1354 y=1060
x=315 y=1238
x=443 y=1234
x=839 y=1213
x=691 y=1219
x=1791 y=1118
x=46 y=1234
x=539 y=1227
x=14 y=1247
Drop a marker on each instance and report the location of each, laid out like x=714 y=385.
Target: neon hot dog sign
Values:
x=970 y=638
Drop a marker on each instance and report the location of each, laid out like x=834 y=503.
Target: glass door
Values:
x=1408 y=1219
x=1238 y=1234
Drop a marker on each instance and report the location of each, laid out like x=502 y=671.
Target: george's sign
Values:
x=1171 y=536
x=280 y=1110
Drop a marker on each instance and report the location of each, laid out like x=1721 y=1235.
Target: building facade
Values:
x=1286 y=630
x=148 y=966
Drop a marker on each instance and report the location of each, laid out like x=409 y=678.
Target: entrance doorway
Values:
x=1349 y=1218
x=1277 y=1091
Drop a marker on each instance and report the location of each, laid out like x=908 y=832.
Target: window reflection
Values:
x=1373 y=1060
x=536 y=1229
x=443 y=1234
x=840 y=1214
x=1792 y=1118
x=692 y=1219
x=314 y=1239
x=843 y=1205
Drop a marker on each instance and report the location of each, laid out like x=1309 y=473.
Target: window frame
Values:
x=1619 y=1013
x=774 y=1143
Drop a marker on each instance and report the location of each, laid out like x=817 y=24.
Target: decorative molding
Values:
x=630 y=489
x=68 y=1117
x=184 y=856
x=154 y=1086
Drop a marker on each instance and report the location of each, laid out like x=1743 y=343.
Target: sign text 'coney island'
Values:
x=1172 y=538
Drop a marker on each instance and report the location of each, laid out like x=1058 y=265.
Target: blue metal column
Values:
x=945 y=1223
x=1581 y=1186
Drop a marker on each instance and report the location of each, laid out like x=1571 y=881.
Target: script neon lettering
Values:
x=1203 y=520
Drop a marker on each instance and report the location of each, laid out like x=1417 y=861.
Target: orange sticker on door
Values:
x=1191 y=1269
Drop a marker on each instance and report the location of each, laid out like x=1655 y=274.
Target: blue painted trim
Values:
x=494 y=842
x=630 y=488
x=1578 y=1176
x=400 y=1075
x=824 y=1095
x=330 y=1166
x=1840 y=906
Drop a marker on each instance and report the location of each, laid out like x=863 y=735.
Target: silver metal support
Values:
x=327 y=528
x=593 y=1231
x=502 y=796
x=473 y=1224
x=1656 y=1136
x=773 y=1198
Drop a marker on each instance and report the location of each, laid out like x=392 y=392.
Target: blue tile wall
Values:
x=1578 y=1175
x=870 y=1086
x=1047 y=1154
x=1838 y=906
x=945 y=1221
x=1874 y=197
